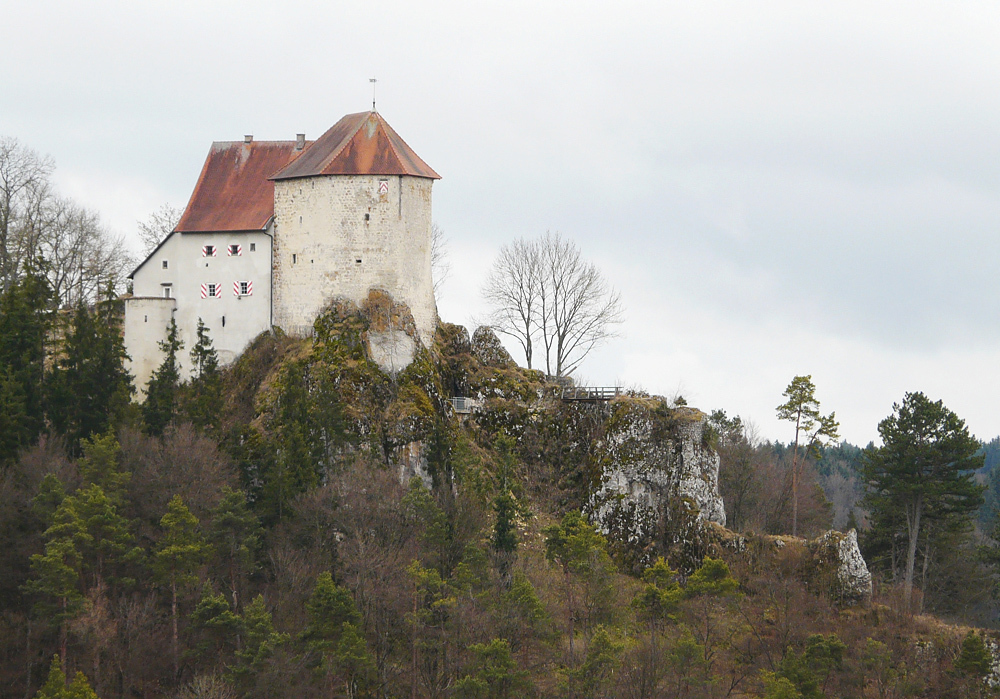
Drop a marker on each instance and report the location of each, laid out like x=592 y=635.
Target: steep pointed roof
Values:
x=233 y=191
x=358 y=144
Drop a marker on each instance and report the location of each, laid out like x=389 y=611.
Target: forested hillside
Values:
x=304 y=524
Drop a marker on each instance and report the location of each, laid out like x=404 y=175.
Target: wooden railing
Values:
x=591 y=394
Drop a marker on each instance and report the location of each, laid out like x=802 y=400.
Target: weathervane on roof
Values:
x=373 y=81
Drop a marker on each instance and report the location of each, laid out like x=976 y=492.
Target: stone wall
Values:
x=338 y=237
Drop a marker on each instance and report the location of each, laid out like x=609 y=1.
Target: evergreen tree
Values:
x=26 y=316
x=332 y=636
x=178 y=556
x=56 y=585
x=15 y=425
x=91 y=388
x=260 y=640
x=924 y=469
x=215 y=625
x=974 y=659
x=582 y=554
x=494 y=673
x=802 y=408
x=203 y=403
x=55 y=686
x=235 y=535
x=161 y=391
x=100 y=465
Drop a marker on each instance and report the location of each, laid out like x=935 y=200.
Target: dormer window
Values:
x=235 y=250
x=208 y=251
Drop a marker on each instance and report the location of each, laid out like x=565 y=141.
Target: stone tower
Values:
x=353 y=213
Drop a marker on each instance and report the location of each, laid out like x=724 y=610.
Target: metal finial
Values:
x=373 y=81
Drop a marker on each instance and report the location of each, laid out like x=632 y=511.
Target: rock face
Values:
x=853 y=580
x=653 y=460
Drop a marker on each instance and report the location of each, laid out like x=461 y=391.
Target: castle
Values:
x=276 y=230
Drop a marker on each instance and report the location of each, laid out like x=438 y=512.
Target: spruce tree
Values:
x=203 y=404
x=235 y=535
x=161 y=391
x=26 y=316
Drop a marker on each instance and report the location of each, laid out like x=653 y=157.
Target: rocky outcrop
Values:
x=852 y=579
x=653 y=460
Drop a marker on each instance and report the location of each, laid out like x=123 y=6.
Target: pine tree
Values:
x=161 y=391
x=56 y=584
x=178 y=556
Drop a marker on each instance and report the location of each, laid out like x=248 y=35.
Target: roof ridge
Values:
x=347 y=139
x=390 y=134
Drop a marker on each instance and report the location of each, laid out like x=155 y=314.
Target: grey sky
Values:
x=776 y=188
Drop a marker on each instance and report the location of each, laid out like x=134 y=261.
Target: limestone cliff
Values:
x=652 y=460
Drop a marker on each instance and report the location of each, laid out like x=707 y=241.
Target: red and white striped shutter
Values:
x=238 y=252
x=204 y=291
x=236 y=288
x=218 y=291
x=249 y=288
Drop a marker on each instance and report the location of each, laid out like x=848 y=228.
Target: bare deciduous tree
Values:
x=440 y=267
x=24 y=184
x=157 y=226
x=545 y=289
x=81 y=257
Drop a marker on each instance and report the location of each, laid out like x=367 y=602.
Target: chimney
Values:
x=248 y=138
x=300 y=141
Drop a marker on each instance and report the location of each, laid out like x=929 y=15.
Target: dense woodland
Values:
x=303 y=524
x=248 y=533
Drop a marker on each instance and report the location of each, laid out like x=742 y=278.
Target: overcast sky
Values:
x=775 y=188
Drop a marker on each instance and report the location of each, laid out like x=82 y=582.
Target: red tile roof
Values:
x=233 y=192
x=358 y=144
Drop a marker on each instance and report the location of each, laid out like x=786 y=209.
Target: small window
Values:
x=166 y=292
x=243 y=288
x=208 y=251
x=165 y=265
x=211 y=291
x=235 y=250
x=357 y=260
x=253 y=247
x=294 y=258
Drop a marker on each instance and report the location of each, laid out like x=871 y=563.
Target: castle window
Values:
x=211 y=291
x=368 y=217
x=166 y=292
x=208 y=251
x=294 y=258
x=234 y=250
x=253 y=247
x=242 y=288
x=164 y=264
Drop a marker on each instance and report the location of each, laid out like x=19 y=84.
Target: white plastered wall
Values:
x=325 y=248
x=233 y=320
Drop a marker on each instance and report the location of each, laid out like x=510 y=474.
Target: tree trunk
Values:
x=173 y=614
x=913 y=530
x=795 y=477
